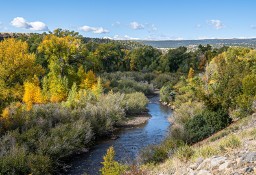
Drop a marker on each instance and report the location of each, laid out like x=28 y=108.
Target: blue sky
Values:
x=133 y=19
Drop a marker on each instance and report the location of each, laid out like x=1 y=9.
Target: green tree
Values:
x=172 y=61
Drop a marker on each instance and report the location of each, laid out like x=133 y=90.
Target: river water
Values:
x=129 y=143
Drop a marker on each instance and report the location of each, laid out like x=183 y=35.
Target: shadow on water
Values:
x=129 y=143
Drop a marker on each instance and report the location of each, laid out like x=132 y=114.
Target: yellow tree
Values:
x=16 y=66
x=32 y=93
x=97 y=88
x=191 y=73
x=110 y=166
x=89 y=81
x=58 y=89
x=60 y=50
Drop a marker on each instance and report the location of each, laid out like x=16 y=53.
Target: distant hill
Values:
x=195 y=43
x=160 y=44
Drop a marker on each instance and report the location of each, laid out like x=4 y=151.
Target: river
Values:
x=129 y=143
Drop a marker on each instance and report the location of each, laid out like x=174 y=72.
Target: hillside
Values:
x=194 y=43
x=230 y=151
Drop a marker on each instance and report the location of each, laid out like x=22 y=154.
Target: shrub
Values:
x=105 y=113
x=184 y=153
x=40 y=164
x=15 y=162
x=166 y=94
x=129 y=86
x=65 y=139
x=197 y=129
x=158 y=153
x=134 y=103
x=205 y=124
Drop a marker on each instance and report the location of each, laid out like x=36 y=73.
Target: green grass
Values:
x=231 y=142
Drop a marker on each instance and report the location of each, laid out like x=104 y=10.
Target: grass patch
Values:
x=206 y=151
x=230 y=142
x=184 y=153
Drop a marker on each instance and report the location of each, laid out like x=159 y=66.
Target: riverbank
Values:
x=230 y=151
x=138 y=132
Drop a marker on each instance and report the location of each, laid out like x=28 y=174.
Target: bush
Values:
x=134 y=103
x=184 y=153
x=105 y=113
x=40 y=164
x=205 y=124
x=166 y=94
x=15 y=162
x=158 y=153
x=129 y=86
x=65 y=139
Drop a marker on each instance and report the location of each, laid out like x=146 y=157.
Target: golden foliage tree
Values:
x=32 y=93
x=191 y=73
x=58 y=88
x=89 y=81
x=97 y=88
x=60 y=50
x=110 y=166
x=16 y=66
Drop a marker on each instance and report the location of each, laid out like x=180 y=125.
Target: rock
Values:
x=204 y=172
x=249 y=157
x=239 y=161
x=215 y=162
x=224 y=166
x=236 y=173
x=249 y=170
x=199 y=160
x=195 y=165
x=114 y=137
x=204 y=164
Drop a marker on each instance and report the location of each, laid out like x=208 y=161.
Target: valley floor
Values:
x=231 y=151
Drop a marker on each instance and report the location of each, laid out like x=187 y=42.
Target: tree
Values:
x=110 y=166
x=58 y=88
x=32 y=93
x=61 y=54
x=143 y=58
x=171 y=61
x=89 y=81
x=16 y=66
x=191 y=73
x=97 y=89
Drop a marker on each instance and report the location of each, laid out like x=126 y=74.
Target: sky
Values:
x=133 y=19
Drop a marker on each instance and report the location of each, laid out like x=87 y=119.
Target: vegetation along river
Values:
x=129 y=143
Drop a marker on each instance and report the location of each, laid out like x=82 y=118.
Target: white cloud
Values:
x=20 y=22
x=97 y=30
x=216 y=23
x=136 y=26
